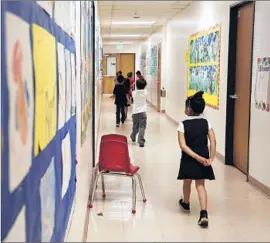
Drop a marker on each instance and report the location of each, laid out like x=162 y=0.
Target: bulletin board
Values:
x=38 y=123
x=152 y=61
x=203 y=59
x=262 y=85
x=86 y=66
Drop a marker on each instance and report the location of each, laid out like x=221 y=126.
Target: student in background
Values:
x=120 y=94
x=117 y=74
x=132 y=82
x=139 y=116
x=139 y=75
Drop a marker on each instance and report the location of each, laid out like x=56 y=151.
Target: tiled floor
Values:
x=237 y=211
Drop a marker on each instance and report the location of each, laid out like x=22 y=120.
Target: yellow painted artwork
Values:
x=44 y=51
x=203 y=60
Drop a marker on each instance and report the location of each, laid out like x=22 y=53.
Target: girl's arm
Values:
x=188 y=151
x=212 y=139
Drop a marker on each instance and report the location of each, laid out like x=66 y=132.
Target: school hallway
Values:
x=237 y=211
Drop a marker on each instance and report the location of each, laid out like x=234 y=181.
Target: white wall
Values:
x=260 y=120
x=175 y=35
x=154 y=39
x=199 y=16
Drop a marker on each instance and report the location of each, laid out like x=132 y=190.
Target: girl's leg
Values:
x=184 y=203
x=187 y=190
x=202 y=194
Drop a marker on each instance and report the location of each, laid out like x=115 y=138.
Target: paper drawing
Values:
x=47 y=6
x=17 y=232
x=47 y=200
x=73 y=84
x=66 y=160
x=21 y=100
x=262 y=85
x=68 y=85
x=44 y=48
x=62 y=85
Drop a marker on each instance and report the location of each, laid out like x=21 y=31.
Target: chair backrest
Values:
x=114 y=137
x=114 y=156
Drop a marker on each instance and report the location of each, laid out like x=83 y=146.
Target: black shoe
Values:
x=117 y=125
x=141 y=145
x=184 y=206
x=203 y=220
x=133 y=140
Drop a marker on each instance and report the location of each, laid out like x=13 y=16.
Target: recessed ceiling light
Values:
x=133 y=23
x=125 y=35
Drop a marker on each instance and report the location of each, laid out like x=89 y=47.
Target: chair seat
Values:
x=133 y=169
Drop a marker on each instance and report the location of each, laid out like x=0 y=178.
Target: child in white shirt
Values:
x=139 y=116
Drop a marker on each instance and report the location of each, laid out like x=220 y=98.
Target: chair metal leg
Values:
x=133 y=194
x=103 y=186
x=94 y=190
x=141 y=186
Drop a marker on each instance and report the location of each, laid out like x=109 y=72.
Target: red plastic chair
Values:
x=114 y=160
x=114 y=137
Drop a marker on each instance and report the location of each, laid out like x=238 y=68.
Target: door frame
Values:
x=229 y=135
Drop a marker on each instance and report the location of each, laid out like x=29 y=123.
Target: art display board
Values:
x=203 y=60
x=86 y=66
x=143 y=63
x=38 y=179
x=152 y=61
x=262 y=85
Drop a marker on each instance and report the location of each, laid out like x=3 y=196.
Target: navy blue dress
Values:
x=196 y=135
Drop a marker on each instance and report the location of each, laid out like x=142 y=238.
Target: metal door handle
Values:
x=235 y=96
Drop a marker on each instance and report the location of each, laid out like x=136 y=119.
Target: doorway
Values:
x=239 y=85
x=127 y=63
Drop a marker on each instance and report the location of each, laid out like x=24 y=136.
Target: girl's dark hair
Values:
x=120 y=78
x=130 y=74
x=138 y=73
x=140 y=84
x=196 y=102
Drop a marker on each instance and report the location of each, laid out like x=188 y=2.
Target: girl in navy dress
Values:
x=193 y=135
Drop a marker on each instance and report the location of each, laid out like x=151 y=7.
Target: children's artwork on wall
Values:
x=20 y=87
x=143 y=62
x=262 y=85
x=152 y=61
x=47 y=201
x=33 y=80
x=18 y=231
x=44 y=48
x=47 y=6
x=73 y=84
x=62 y=85
x=86 y=66
x=66 y=160
x=68 y=85
x=203 y=60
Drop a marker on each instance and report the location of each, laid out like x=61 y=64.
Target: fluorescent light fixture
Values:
x=133 y=23
x=125 y=35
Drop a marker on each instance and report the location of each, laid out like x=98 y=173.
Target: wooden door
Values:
x=243 y=86
x=127 y=63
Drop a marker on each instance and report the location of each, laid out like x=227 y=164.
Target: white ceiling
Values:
x=153 y=13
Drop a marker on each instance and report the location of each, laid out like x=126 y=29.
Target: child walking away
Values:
x=193 y=135
x=120 y=94
x=139 y=116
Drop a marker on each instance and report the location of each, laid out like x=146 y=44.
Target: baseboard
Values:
x=260 y=186
x=171 y=119
x=220 y=157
